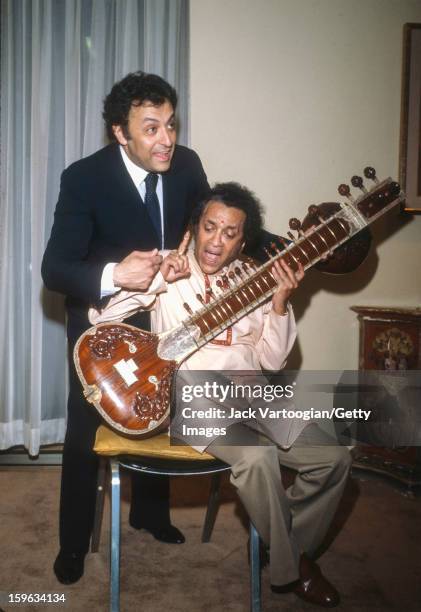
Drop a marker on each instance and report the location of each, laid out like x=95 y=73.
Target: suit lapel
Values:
x=123 y=182
x=129 y=198
x=174 y=211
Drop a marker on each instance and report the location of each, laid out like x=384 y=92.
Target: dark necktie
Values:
x=152 y=204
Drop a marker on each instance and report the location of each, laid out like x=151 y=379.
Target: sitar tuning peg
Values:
x=357 y=181
x=251 y=263
x=314 y=212
x=187 y=307
x=225 y=281
x=370 y=173
x=275 y=248
x=345 y=191
x=295 y=224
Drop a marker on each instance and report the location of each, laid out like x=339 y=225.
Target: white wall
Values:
x=291 y=98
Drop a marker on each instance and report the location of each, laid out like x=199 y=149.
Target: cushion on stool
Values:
x=107 y=442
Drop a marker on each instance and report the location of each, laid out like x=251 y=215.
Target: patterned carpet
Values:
x=374 y=559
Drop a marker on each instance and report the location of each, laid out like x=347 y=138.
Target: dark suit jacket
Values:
x=100 y=218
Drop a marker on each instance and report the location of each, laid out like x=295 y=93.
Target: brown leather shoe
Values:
x=313 y=586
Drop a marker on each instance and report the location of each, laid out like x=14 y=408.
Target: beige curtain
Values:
x=59 y=58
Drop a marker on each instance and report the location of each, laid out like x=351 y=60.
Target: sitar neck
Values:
x=249 y=286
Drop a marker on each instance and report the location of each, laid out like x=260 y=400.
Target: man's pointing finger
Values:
x=184 y=244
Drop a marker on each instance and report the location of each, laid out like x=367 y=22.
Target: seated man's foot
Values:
x=68 y=567
x=312 y=586
x=163 y=533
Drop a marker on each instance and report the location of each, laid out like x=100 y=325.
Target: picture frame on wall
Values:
x=410 y=137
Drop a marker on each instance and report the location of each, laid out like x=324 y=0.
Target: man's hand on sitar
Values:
x=288 y=281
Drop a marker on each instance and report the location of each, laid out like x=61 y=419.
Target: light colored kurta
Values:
x=261 y=339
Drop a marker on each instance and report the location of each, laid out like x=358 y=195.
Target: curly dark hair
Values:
x=237 y=196
x=135 y=89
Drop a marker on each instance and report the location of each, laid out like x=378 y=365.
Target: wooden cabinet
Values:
x=390 y=338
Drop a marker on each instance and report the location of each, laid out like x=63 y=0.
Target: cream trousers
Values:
x=294 y=520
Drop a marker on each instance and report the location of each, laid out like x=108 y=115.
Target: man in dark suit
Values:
x=116 y=209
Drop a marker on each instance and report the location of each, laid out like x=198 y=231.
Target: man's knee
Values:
x=257 y=461
x=331 y=463
x=340 y=459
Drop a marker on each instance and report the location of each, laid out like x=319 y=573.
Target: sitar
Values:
x=127 y=373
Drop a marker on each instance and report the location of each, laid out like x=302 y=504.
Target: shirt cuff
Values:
x=281 y=314
x=276 y=315
x=107 y=283
x=158 y=285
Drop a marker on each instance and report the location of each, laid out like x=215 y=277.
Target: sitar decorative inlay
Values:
x=105 y=341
